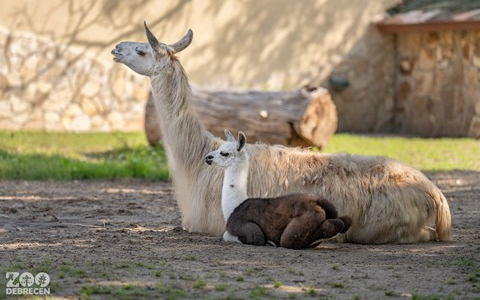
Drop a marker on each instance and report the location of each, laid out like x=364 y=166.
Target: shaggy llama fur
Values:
x=389 y=202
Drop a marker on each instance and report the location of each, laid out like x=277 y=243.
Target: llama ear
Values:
x=183 y=43
x=242 y=140
x=229 y=136
x=154 y=43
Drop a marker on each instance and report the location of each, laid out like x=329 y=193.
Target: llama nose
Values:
x=209 y=159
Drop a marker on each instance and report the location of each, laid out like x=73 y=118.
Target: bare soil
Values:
x=123 y=239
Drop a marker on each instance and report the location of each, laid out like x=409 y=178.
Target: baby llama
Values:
x=293 y=221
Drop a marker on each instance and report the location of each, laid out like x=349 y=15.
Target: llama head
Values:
x=149 y=58
x=230 y=152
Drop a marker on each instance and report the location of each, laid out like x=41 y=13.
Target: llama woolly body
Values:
x=388 y=201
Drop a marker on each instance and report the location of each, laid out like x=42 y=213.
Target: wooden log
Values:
x=305 y=117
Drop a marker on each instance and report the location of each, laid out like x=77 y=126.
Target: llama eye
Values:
x=140 y=52
x=224 y=154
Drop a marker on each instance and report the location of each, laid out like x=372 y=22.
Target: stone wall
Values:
x=366 y=104
x=438 y=84
x=49 y=86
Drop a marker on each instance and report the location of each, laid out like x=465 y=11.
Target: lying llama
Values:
x=389 y=202
x=292 y=221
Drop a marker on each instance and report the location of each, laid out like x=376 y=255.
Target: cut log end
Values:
x=319 y=121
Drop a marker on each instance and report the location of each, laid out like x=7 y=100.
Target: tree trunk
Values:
x=297 y=118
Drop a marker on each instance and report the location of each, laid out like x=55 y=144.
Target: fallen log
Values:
x=305 y=117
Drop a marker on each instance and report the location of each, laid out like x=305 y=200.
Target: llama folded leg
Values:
x=347 y=222
x=330 y=228
x=227 y=237
x=248 y=233
x=308 y=230
x=302 y=231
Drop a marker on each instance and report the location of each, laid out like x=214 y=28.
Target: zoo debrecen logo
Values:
x=27 y=284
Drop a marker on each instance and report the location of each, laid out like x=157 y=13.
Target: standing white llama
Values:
x=389 y=202
x=293 y=221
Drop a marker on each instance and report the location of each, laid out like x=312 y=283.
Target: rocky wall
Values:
x=49 y=86
x=361 y=86
x=438 y=84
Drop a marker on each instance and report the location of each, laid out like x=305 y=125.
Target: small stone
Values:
x=73 y=110
x=426 y=59
x=115 y=119
x=406 y=66
x=18 y=105
x=88 y=106
x=52 y=117
x=424 y=84
x=81 y=123
x=44 y=87
x=90 y=89
x=117 y=82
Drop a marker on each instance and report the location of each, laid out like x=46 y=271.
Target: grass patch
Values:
x=442 y=154
x=419 y=297
x=259 y=292
x=464 y=262
x=277 y=284
x=474 y=276
x=72 y=271
x=67 y=156
x=200 y=284
x=116 y=292
x=337 y=285
x=169 y=292
x=309 y=290
x=190 y=257
x=219 y=287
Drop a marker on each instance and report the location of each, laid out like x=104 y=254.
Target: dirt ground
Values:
x=122 y=239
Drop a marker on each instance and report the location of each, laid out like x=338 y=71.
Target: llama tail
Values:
x=444 y=219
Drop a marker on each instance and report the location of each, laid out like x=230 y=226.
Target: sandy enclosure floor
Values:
x=123 y=240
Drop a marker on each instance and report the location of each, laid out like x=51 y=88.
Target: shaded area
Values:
x=123 y=238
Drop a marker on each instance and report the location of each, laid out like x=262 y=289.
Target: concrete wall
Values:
x=268 y=44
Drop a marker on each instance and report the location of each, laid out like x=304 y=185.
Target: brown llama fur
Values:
x=291 y=221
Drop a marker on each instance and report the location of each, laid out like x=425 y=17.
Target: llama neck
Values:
x=185 y=139
x=234 y=190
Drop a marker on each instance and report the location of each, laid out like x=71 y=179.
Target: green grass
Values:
x=200 y=284
x=442 y=154
x=67 y=156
